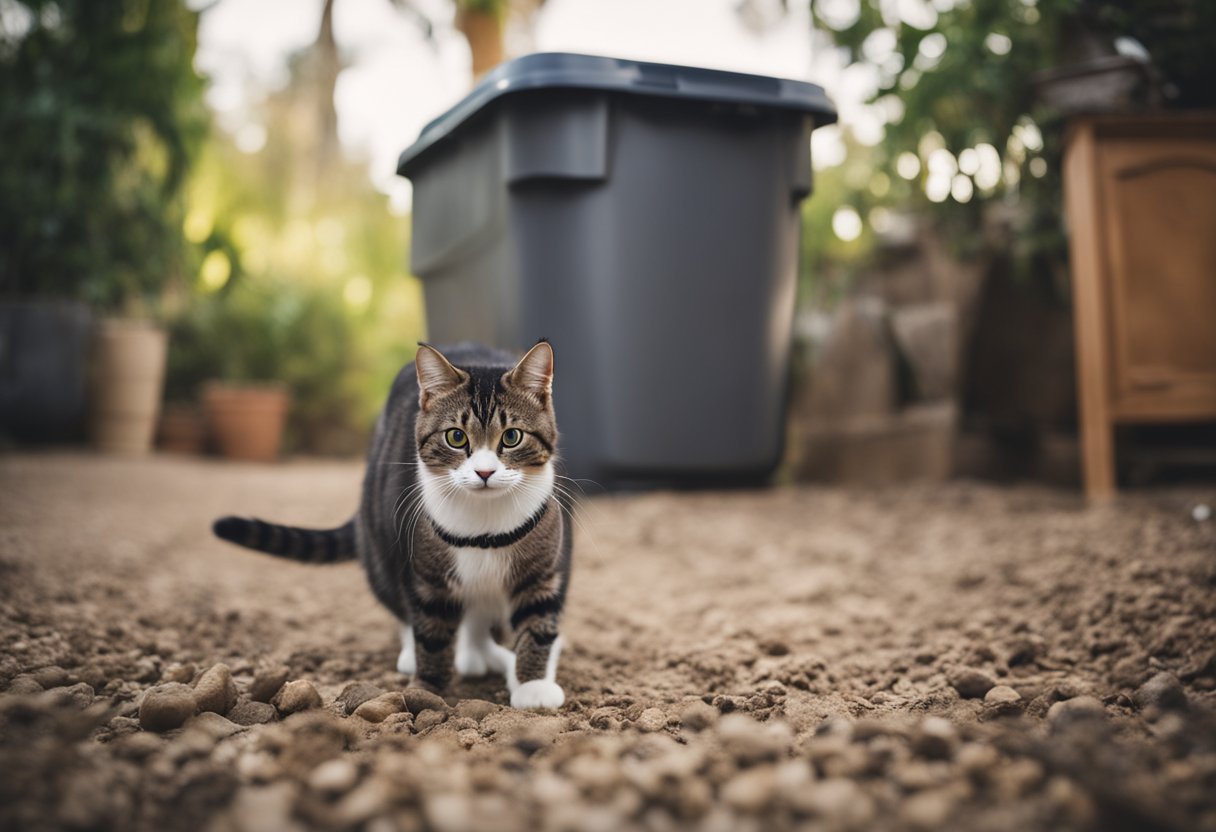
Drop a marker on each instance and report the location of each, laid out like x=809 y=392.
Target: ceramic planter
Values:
x=127 y=384
x=246 y=421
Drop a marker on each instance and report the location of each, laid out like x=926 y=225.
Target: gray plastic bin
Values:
x=644 y=218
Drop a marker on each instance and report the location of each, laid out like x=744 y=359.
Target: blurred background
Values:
x=203 y=195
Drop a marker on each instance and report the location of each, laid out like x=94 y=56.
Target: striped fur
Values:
x=419 y=488
x=304 y=545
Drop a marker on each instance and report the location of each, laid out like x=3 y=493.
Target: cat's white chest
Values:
x=481 y=579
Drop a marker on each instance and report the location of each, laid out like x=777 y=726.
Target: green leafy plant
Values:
x=962 y=128
x=102 y=116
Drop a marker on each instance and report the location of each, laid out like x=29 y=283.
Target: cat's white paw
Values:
x=539 y=693
x=469 y=660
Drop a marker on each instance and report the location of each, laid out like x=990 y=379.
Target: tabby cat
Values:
x=459 y=528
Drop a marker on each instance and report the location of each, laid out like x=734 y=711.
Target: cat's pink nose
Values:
x=485 y=475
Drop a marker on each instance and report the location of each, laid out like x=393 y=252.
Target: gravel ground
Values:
x=960 y=657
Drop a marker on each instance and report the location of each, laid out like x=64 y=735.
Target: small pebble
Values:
x=1163 y=691
x=935 y=738
x=971 y=683
x=258 y=808
x=928 y=810
x=24 y=684
x=355 y=694
x=215 y=691
x=51 y=677
x=79 y=695
x=167 y=706
x=178 y=672
x=267 y=682
x=697 y=716
x=1001 y=701
x=247 y=712
x=418 y=700
x=751 y=742
x=428 y=719
x=334 y=777
x=842 y=803
x=475 y=709
x=752 y=790
x=381 y=707
x=1202 y=512
x=651 y=720
x=297 y=696
x=1079 y=707
x=214 y=725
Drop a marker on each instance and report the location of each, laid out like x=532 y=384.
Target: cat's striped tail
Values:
x=303 y=545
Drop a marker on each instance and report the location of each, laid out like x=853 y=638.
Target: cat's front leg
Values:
x=533 y=678
x=434 y=632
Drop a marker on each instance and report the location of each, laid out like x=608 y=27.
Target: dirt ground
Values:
x=959 y=657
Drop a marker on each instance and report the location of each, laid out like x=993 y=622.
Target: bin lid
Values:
x=563 y=70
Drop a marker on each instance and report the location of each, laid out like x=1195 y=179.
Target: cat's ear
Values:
x=436 y=374
x=534 y=372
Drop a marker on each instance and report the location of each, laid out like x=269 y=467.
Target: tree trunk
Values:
x=484 y=32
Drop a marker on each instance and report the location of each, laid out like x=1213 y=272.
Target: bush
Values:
x=102 y=117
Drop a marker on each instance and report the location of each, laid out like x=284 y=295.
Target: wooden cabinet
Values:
x=1140 y=197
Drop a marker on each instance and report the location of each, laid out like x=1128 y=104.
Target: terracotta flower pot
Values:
x=182 y=429
x=246 y=420
x=128 y=380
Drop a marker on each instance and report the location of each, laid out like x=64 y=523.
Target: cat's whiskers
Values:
x=560 y=491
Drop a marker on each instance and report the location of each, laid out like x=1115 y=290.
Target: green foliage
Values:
x=101 y=119
x=313 y=291
x=271 y=331
x=959 y=75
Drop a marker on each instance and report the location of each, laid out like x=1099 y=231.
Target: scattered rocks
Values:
x=751 y=742
x=79 y=695
x=935 y=738
x=24 y=684
x=178 y=672
x=429 y=719
x=929 y=809
x=971 y=683
x=213 y=725
x=51 y=677
x=418 y=700
x=166 y=707
x=260 y=808
x=476 y=709
x=697 y=716
x=1076 y=709
x=381 y=707
x=296 y=696
x=841 y=803
x=355 y=694
x=1001 y=701
x=651 y=720
x=334 y=777
x=267 y=682
x=1025 y=650
x=1163 y=691
x=751 y=790
x=215 y=691
x=252 y=713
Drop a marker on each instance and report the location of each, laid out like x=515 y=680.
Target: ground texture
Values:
x=959 y=657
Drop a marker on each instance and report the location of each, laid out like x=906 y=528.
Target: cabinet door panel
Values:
x=1160 y=204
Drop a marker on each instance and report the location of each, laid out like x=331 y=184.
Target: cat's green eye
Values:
x=456 y=437
x=512 y=437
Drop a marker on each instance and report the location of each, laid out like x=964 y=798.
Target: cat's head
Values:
x=483 y=431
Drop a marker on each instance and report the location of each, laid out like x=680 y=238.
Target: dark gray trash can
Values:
x=644 y=218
